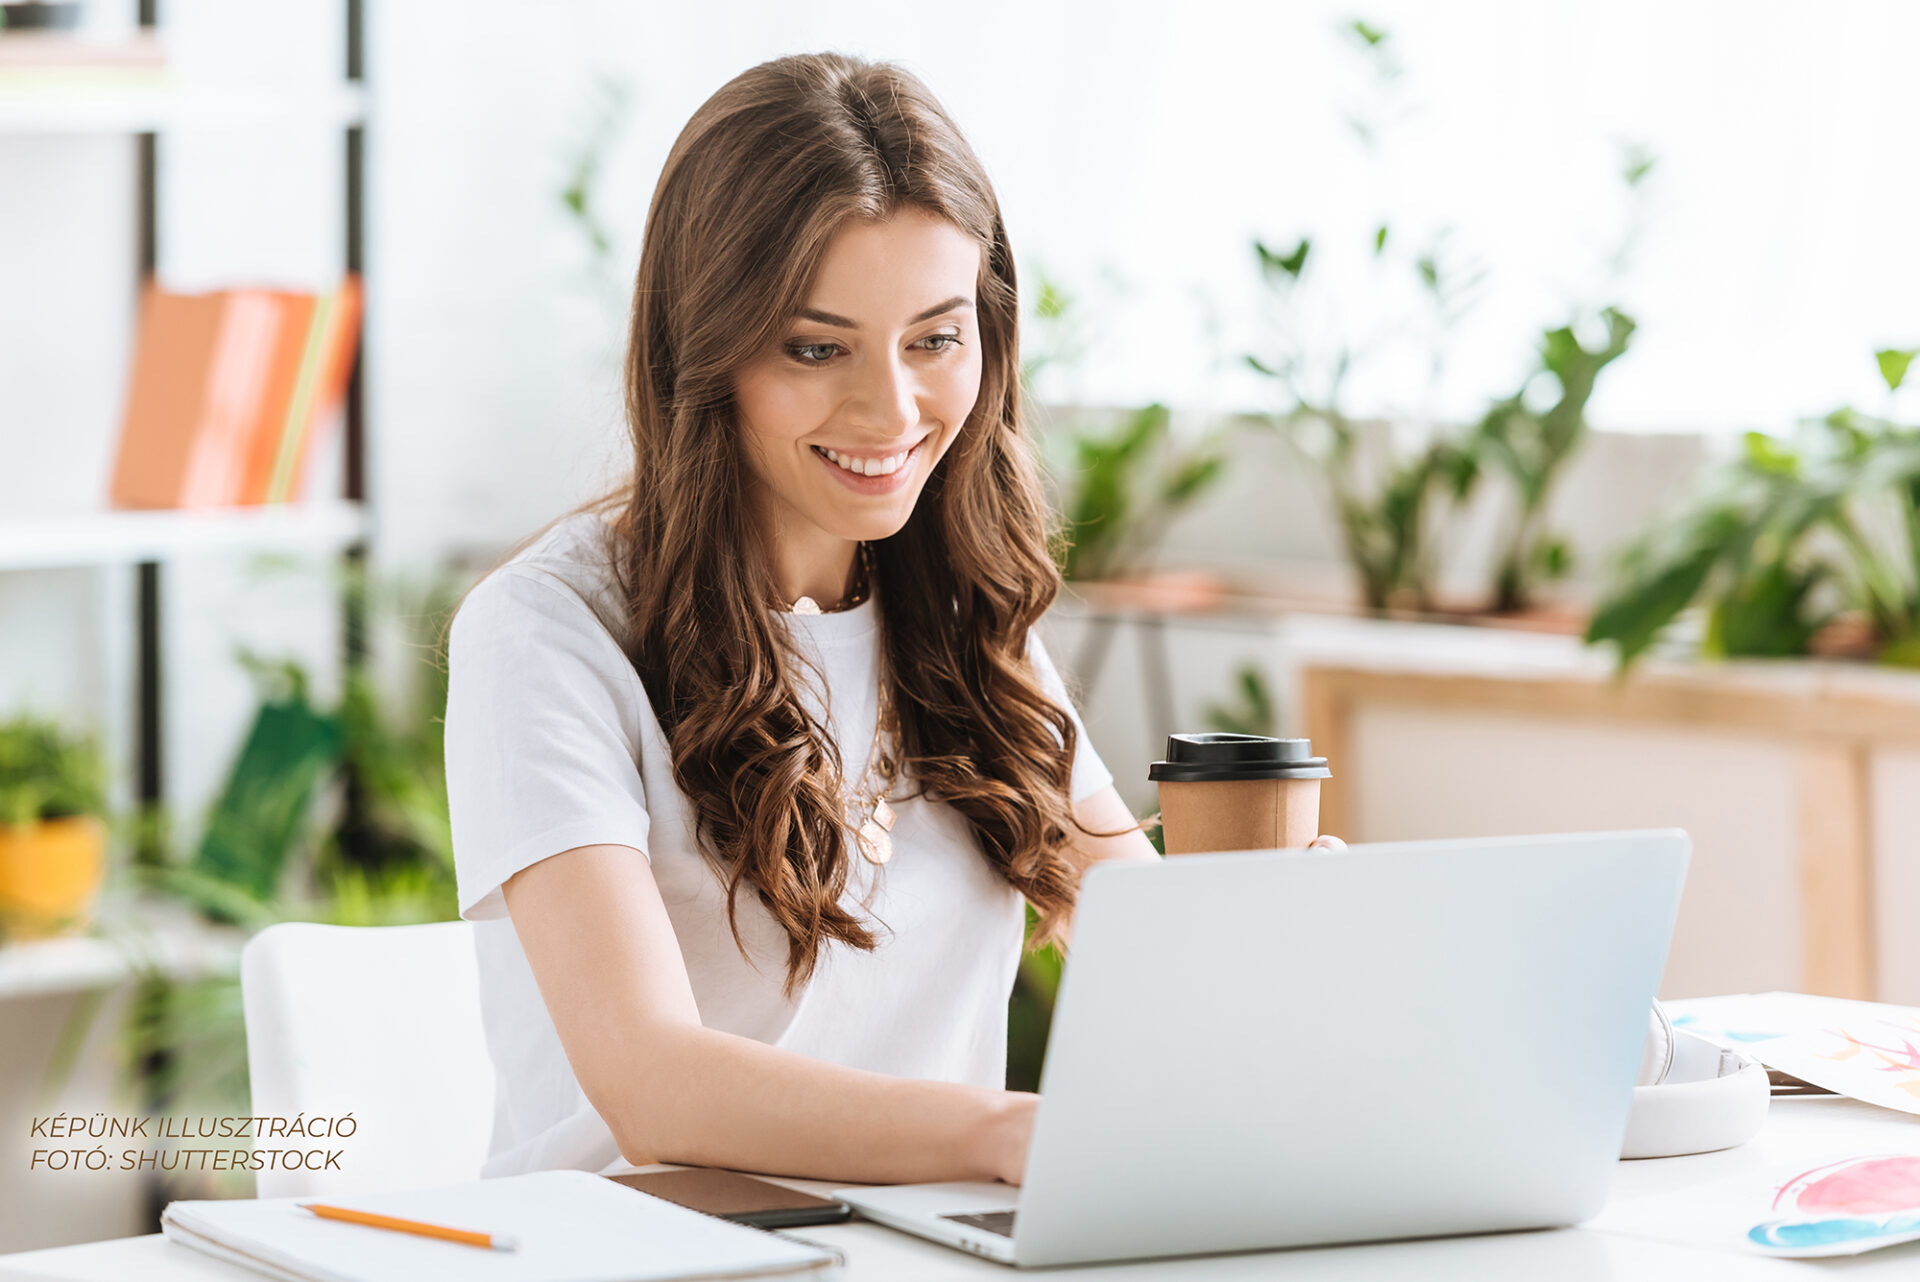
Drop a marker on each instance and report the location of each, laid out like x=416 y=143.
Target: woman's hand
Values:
x=1326 y=841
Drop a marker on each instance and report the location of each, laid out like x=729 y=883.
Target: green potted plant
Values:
x=1799 y=545
x=282 y=842
x=53 y=838
x=1388 y=500
x=1118 y=486
x=1393 y=494
x=1125 y=487
x=1531 y=448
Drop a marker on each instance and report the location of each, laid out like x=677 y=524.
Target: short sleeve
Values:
x=542 y=733
x=1090 y=774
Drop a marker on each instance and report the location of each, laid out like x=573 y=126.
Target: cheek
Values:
x=958 y=389
x=954 y=395
x=777 y=410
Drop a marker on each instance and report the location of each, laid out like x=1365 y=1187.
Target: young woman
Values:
x=756 y=765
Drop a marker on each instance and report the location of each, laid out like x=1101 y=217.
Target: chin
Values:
x=870 y=531
x=847 y=520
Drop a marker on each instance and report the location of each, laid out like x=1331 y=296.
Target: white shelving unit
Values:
x=137 y=938
x=151 y=561
x=155 y=108
x=129 y=538
x=88 y=98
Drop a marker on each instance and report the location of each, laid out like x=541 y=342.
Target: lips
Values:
x=871 y=473
x=869 y=464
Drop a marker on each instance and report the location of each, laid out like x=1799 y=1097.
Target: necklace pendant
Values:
x=876 y=844
x=806 y=605
x=883 y=815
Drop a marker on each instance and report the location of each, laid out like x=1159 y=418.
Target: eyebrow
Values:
x=828 y=318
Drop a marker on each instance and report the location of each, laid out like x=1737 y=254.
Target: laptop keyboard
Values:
x=1000 y=1222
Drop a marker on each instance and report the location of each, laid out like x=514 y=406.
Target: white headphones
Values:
x=1693 y=1096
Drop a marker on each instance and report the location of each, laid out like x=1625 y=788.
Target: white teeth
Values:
x=872 y=466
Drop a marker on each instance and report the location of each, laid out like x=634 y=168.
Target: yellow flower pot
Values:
x=49 y=874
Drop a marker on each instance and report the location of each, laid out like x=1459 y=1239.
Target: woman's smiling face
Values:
x=865 y=390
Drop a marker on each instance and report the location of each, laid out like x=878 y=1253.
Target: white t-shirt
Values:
x=551 y=743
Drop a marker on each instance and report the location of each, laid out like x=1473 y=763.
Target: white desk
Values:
x=1798 y=1130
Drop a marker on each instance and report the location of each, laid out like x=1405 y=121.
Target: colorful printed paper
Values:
x=1874 y=1060
x=1869 y=1051
x=1844 y=1208
x=1739 y=1021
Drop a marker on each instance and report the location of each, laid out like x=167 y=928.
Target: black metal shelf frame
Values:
x=150 y=709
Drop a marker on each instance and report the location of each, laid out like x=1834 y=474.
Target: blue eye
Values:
x=818 y=354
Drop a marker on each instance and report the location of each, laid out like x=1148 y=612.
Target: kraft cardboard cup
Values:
x=1238 y=792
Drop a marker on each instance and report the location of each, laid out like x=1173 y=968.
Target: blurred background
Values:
x=1510 y=396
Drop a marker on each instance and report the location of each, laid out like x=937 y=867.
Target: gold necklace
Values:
x=867 y=811
x=861 y=590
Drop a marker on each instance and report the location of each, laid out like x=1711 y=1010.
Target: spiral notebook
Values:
x=571 y=1227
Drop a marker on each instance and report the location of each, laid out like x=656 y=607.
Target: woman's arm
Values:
x=1105 y=812
x=602 y=949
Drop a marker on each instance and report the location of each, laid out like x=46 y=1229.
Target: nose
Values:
x=886 y=399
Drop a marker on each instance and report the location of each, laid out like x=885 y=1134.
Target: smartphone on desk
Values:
x=740 y=1198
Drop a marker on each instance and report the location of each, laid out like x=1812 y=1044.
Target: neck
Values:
x=816 y=565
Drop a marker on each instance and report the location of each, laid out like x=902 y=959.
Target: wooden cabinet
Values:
x=1799 y=781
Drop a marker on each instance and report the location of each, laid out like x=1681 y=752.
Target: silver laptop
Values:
x=1289 y=1048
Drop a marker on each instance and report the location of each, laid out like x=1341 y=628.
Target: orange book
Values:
x=201 y=364
x=270 y=423
x=320 y=388
x=166 y=395
x=235 y=387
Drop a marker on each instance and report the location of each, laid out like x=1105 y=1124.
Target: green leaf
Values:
x=48 y=772
x=1276 y=265
x=1560 y=352
x=263 y=808
x=1429 y=268
x=1459 y=468
x=1373 y=37
x=1765 y=613
x=1252 y=709
x=1552 y=558
x=1665 y=573
x=1893 y=365
x=1053 y=303
x=1191 y=479
x=1638 y=162
x=1634 y=618
x=1100 y=510
x=1770 y=455
x=1904 y=653
x=1380 y=241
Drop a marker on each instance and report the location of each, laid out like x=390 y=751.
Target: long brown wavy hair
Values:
x=755 y=187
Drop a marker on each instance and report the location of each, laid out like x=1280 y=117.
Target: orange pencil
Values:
x=491 y=1241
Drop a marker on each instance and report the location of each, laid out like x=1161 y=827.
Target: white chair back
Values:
x=379 y=1024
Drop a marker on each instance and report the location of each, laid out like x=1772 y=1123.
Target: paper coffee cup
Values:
x=1238 y=792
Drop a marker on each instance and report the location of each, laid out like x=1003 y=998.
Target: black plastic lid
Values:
x=1206 y=758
